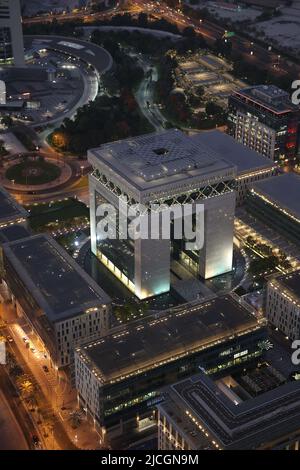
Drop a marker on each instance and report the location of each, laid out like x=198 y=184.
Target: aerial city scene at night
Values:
x=149 y=228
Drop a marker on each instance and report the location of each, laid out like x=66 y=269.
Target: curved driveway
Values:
x=90 y=53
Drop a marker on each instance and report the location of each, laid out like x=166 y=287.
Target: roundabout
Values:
x=33 y=171
x=38 y=173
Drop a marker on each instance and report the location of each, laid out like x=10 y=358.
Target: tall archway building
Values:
x=11 y=34
x=165 y=168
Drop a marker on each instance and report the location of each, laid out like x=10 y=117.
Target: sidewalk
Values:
x=57 y=404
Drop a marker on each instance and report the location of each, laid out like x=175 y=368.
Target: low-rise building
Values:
x=251 y=165
x=119 y=377
x=58 y=300
x=283 y=304
x=276 y=202
x=11 y=212
x=200 y=413
x=13 y=226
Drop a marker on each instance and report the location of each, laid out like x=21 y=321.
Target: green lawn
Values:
x=63 y=213
x=33 y=172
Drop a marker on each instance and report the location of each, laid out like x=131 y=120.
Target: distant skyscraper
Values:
x=11 y=34
x=264 y=119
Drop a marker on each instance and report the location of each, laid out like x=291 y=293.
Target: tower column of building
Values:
x=17 y=33
x=152 y=264
x=216 y=256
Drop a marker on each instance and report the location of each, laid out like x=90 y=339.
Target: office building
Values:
x=163 y=168
x=264 y=119
x=251 y=166
x=13 y=225
x=283 y=304
x=257 y=410
x=11 y=34
x=119 y=377
x=61 y=304
x=276 y=202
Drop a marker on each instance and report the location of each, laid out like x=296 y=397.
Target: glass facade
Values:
x=138 y=394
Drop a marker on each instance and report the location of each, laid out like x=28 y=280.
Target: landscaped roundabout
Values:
x=33 y=171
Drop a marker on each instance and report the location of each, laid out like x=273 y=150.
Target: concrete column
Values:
x=151 y=260
x=152 y=267
x=16 y=30
x=92 y=189
x=216 y=256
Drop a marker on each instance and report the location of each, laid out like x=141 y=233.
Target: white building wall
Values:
x=283 y=310
x=82 y=328
x=252 y=133
x=88 y=387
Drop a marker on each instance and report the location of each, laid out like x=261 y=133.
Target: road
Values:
x=56 y=399
x=144 y=94
x=251 y=52
x=12 y=435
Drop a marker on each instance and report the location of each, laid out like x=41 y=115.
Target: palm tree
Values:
x=26 y=387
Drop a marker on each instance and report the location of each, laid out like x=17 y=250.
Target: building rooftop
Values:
x=161 y=159
x=148 y=343
x=10 y=210
x=230 y=424
x=88 y=52
x=270 y=96
x=290 y=282
x=13 y=233
x=245 y=159
x=282 y=192
x=59 y=286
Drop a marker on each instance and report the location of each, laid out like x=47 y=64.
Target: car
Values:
x=9 y=339
x=32 y=349
x=26 y=340
x=36 y=441
x=45 y=369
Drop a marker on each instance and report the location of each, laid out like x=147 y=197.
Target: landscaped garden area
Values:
x=57 y=215
x=33 y=172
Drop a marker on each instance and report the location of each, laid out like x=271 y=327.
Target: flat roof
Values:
x=245 y=425
x=157 y=159
x=270 y=97
x=283 y=191
x=148 y=343
x=88 y=52
x=10 y=210
x=58 y=284
x=290 y=281
x=235 y=153
x=13 y=232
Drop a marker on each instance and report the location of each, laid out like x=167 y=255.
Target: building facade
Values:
x=163 y=169
x=251 y=166
x=200 y=413
x=61 y=304
x=11 y=34
x=276 y=202
x=264 y=119
x=283 y=304
x=119 y=378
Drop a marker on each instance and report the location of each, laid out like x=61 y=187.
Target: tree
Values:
x=6 y=121
x=25 y=387
x=212 y=109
